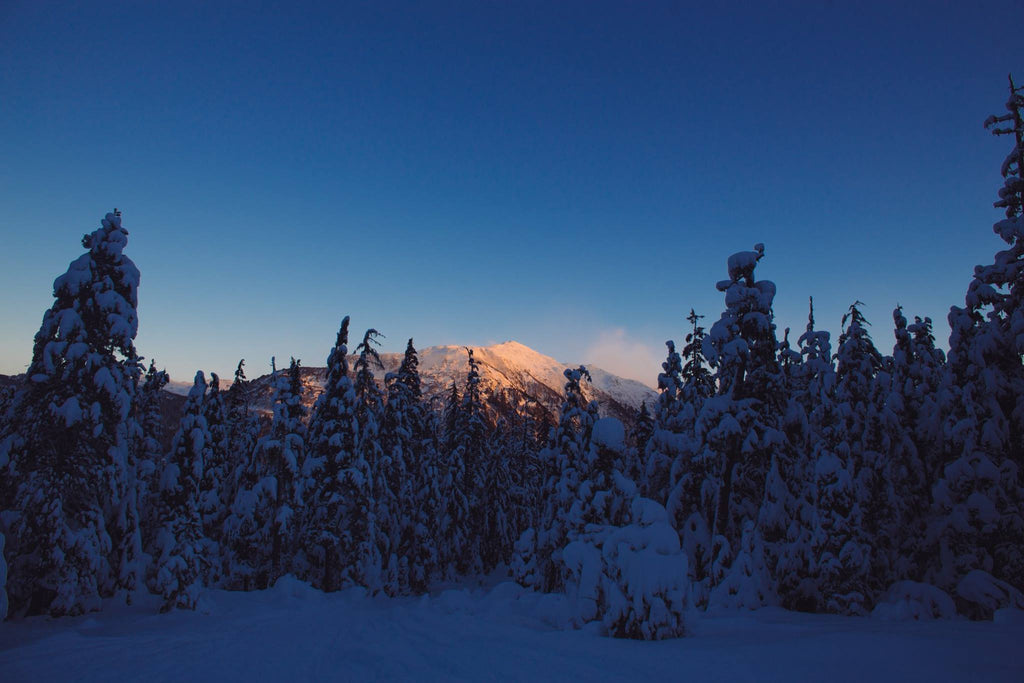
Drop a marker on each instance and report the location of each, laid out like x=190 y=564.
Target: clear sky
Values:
x=569 y=175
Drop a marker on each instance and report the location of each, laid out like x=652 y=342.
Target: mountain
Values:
x=511 y=375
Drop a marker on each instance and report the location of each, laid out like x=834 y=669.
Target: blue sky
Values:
x=569 y=175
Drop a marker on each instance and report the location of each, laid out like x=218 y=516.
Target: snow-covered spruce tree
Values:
x=814 y=377
x=900 y=415
x=452 y=531
x=365 y=535
x=72 y=521
x=525 y=437
x=979 y=513
x=538 y=554
x=738 y=435
x=664 y=446
x=496 y=504
x=214 y=488
x=851 y=475
x=810 y=414
x=405 y=442
x=468 y=451
x=412 y=475
x=697 y=378
x=180 y=553
x=623 y=565
x=786 y=520
x=639 y=437
x=396 y=443
x=243 y=426
x=332 y=434
x=149 y=447
x=150 y=458
x=927 y=399
x=262 y=526
x=687 y=503
x=243 y=433
x=284 y=451
x=485 y=486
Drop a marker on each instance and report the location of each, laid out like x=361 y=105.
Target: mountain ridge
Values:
x=510 y=367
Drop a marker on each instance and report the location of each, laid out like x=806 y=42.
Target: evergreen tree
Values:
x=181 y=558
x=496 y=504
x=284 y=451
x=453 y=530
x=332 y=434
x=687 y=501
x=266 y=511
x=72 y=521
x=243 y=432
x=663 y=447
x=365 y=490
x=928 y=399
x=403 y=438
x=524 y=440
x=850 y=468
x=214 y=488
x=697 y=378
x=643 y=429
x=738 y=436
x=811 y=417
x=150 y=451
x=785 y=522
x=472 y=451
x=412 y=475
x=538 y=562
x=900 y=416
x=613 y=530
x=979 y=515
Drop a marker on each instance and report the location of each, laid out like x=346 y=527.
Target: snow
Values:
x=293 y=632
x=70 y=410
x=514 y=364
x=988 y=593
x=907 y=600
x=506 y=364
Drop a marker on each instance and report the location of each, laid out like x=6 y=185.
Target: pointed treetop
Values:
x=337 y=358
x=854 y=316
x=294 y=374
x=198 y=389
x=1011 y=195
x=240 y=372
x=366 y=348
x=342 y=340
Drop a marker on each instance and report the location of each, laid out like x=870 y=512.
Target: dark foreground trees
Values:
x=820 y=477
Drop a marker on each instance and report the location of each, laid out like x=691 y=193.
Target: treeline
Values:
x=840 y=480
x=371 y=488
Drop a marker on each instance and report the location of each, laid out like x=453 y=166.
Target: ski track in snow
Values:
x=295 y=633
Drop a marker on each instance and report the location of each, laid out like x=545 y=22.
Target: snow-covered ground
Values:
x=294 y=633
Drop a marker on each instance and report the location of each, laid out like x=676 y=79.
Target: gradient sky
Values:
x=569 y=175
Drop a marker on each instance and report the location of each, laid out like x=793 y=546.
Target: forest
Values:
x=812 y=474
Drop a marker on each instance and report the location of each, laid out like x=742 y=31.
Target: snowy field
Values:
x=294 y=633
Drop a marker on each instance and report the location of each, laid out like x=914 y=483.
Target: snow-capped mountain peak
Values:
x=509 y=366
